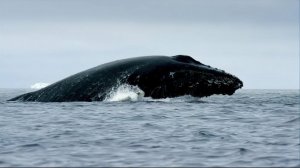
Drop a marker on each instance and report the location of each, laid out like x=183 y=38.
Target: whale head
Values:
x=182 y=75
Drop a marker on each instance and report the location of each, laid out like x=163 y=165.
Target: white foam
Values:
x=39 y=85
x=125 y=93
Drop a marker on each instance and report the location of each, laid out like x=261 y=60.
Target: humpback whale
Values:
x=157 y=76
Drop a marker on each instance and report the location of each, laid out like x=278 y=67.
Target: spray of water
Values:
x=125 y=93
x=39 y=85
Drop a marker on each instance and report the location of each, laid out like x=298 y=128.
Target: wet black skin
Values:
x=157 y=76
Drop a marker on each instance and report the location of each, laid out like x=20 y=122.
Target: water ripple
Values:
x=250 y=128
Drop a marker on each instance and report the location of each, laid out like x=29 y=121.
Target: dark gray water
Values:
x=250 y=128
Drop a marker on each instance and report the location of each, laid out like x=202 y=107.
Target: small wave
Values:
x=206 y=134
x=125 y=93
x=295 y=120
x=179 y=99
x=39 y=85
x=243 y=151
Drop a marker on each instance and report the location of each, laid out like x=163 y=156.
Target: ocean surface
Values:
x=249 y=128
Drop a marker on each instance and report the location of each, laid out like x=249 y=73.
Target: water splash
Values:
x=39 y=85
x=125 y=93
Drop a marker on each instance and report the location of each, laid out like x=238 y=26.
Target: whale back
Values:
x=92 y=84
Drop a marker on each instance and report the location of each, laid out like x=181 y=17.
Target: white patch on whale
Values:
x=125 y=92
x=39 y=85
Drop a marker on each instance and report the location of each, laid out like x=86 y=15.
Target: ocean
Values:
x=249 y=128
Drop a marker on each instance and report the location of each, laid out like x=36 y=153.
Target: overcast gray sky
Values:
x=47 y=40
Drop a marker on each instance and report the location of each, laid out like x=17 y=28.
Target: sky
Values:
x=48 y=40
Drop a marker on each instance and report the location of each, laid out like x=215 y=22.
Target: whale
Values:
x=157 y=76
